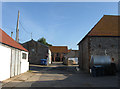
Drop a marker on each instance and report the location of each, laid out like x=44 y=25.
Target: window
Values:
x=99 y=46
x=33 y=50
x=112 y=46
x=57 y=54
x=24 y=55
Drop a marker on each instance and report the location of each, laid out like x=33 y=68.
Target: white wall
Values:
x=24 y=63
x=5 y=62
x=75 y=59
x=5 y=57
x=49 y=56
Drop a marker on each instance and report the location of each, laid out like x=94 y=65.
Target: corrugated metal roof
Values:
x=6 y=39
x=59 y=49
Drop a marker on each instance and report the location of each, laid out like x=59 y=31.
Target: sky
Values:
x=61 y=23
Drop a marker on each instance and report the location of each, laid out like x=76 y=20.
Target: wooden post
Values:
x=17 y=30
x=54 y=56
x=61 y=57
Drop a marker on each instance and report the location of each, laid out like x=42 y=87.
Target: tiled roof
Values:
x=7 y=40
x=69 y=50
x=107 y=26
x=59 y=49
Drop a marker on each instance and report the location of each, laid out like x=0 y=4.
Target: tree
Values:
x=43 y=41
x=48 y=44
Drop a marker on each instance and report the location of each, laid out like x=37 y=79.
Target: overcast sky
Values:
x=61 y=23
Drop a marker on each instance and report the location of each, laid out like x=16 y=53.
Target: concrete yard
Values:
x=58 y=75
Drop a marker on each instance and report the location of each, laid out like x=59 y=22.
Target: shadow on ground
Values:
x=65 y=77
x=71 y=78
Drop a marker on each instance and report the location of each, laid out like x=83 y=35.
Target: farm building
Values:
x=37 y=51
x=13 y=57
x=71 y=57
x=101 y=40
x=58 y=52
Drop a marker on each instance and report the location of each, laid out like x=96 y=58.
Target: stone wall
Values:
x=36 y=51
x=97 y=46
x=104 y=46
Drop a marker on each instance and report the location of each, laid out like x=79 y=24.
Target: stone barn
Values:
x=101 y=40
x=37 y=51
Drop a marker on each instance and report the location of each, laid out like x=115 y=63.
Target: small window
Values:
x=112 y=46
x=99 y=46
x=24 y=55
x=33 y=50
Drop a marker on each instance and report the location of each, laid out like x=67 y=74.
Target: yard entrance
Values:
x=59 y=75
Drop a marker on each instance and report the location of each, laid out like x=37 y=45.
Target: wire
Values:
x=9 y=28
x=24 y=28
x=20 y=39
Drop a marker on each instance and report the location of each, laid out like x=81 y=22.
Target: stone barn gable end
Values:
x=102 y=37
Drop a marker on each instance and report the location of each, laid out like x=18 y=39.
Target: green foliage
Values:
x=48 y=44
x=43 y=41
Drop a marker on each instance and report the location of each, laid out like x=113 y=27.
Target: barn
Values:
x=37 y=51
x=13 y=57
x=102 y=39
x=58 y=53
x=71 y=57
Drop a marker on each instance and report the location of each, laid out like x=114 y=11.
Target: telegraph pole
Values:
x=17 y=29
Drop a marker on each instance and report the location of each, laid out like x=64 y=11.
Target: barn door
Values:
x=19 y=63
x=16 y=62
x=12 y=68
